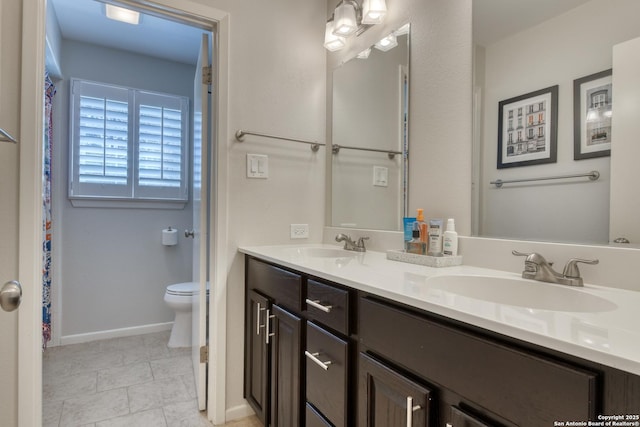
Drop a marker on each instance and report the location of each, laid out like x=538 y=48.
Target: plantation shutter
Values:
x=161 y=147
x=128 y=144
x=103 y=141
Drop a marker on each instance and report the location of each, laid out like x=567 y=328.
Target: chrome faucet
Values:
x=350 y=245
x=537 y=268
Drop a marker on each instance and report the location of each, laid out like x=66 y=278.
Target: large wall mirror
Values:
x=369 y=139
x=521 y=48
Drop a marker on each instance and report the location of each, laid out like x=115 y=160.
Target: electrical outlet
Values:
x=299 y=231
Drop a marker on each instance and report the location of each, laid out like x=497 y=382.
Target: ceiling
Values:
x=85 y=20
x=496 y=19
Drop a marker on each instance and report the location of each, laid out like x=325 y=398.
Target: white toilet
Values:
x=179 y=298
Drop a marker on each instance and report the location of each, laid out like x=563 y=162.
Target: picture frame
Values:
x=528 y=129
x=592 y=102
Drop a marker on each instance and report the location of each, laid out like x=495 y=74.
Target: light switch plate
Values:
x=257 y=166
x=380 y=176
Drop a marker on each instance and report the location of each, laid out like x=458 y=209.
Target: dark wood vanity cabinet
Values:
x=297 y=348
x=321 y=354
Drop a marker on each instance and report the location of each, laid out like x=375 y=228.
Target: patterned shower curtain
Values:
x=49 y=91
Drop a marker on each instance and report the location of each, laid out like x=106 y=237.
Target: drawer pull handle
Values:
x=314 y=358
x=316 y=304
x=259 y=309
x=267 y=333
x=410 y=410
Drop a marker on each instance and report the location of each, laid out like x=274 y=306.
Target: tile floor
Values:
x=132 y=381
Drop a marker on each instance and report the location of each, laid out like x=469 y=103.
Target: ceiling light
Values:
x=373 y=11
x=331 y=41
x=123 y=15
x=345 y=19
x=387 y=43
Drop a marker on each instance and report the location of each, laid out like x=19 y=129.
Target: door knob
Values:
x=11 y=295
x=189 y=233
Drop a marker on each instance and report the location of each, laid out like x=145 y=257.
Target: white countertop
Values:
x=606 y=330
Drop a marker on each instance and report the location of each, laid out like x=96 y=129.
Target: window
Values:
x=127 y=144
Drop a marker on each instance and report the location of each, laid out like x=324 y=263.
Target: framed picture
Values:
x=528 y=129
x=592 y=101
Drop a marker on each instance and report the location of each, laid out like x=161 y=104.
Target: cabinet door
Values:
x=256 y=372
x=286 y=352
x=388 y=399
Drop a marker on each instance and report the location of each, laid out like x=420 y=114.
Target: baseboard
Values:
x=238 y=412
x=115 y=333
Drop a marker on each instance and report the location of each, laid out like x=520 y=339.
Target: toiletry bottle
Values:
x=450 y=239
x=407 y=223
x=415 y=245
x=422 y=225
x=435 y=237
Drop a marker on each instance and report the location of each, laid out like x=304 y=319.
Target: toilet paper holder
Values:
x=169 y=236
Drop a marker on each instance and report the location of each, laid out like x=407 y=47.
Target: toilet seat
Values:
x=184 y=289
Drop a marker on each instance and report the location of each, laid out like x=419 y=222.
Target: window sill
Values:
x=128 y=204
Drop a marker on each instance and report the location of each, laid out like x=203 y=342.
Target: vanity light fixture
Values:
x=387 y=43
x=123 y=15
x=331 y=41
x=373 y=11
x=364 y=54
x=345 y=22
x=350 y=18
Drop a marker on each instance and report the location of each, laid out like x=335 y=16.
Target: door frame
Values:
x=30 y=207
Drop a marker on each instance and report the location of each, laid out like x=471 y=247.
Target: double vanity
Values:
x=342 y=338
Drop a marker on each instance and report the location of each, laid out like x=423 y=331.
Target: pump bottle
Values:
x=450 y=239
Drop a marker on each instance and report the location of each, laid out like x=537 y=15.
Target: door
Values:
x=201 y=197
x=256 y=379
x=8 y=271
x=285 y=368
x=390 y=399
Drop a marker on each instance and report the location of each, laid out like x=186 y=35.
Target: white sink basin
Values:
x=326 y=252
x=521 y=293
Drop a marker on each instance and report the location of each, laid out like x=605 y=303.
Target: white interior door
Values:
x=201 y=146
x=8 y=271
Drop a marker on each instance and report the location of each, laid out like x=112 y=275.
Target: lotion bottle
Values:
x=450 y=239
x=422 y=226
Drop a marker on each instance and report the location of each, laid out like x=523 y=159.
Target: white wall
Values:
x=439 y=108
x=570 y=46
x=277 y=86
x=112 y=267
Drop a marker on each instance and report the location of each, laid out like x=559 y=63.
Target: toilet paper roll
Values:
x=169 y=237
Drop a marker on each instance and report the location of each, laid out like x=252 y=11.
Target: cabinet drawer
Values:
x=313 y=418
x=527 y=389
x=282 y=286
x=327 y=374
x=461 y=418
x=328 y=305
